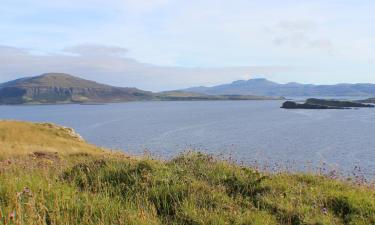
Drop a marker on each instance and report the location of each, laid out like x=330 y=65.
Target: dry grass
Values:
x=22 y=138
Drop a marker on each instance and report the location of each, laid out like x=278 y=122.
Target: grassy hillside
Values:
x=22 y=138
x=81 y=184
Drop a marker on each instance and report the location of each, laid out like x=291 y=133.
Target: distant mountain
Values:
x=54 y=88
x=265 y=87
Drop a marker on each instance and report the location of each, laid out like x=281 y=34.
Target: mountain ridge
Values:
x=264 y=87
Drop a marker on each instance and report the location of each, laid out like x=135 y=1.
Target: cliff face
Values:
x=64 y=88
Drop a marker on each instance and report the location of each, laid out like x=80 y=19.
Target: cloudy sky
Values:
x=170 y=44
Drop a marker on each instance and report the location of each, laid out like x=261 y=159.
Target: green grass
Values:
x=191 y=189
x=90 y=188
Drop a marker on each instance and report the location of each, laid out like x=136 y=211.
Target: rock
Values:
x=45 y=155
x=68 y=131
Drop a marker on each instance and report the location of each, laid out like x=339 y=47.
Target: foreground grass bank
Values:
x=72 y=182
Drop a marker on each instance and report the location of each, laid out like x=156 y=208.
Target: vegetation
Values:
x=84 y=185
x=191 y=96
x=22 y=138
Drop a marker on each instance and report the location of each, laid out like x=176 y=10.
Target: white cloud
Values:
x=301 y=35
x=109 y=65
x=95 y=50
x=322 y=34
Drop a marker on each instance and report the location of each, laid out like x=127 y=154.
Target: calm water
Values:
x=247 y=130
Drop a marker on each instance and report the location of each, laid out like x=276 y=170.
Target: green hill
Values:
x=49 y=175
x=52 y=88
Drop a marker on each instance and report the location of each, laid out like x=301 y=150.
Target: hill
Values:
x=265 y=87
x=54 y=88
x=68 y=181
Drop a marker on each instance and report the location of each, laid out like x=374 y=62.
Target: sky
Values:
x=171 y=44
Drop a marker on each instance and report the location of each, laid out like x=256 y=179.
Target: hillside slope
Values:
x=24 y=138
x=75 y=185
x=54 y=88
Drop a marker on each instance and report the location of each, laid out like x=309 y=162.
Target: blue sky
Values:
x=169 y=44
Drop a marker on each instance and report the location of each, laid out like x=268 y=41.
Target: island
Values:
x=314 y=103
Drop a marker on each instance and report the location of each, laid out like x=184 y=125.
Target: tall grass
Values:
x=48 y=176
x=193 y=188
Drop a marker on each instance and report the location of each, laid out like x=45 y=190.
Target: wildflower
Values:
x=27 y=191
x=325 y=211
x=12 y=215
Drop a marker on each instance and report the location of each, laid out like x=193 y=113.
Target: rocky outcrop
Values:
x=69 y=132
